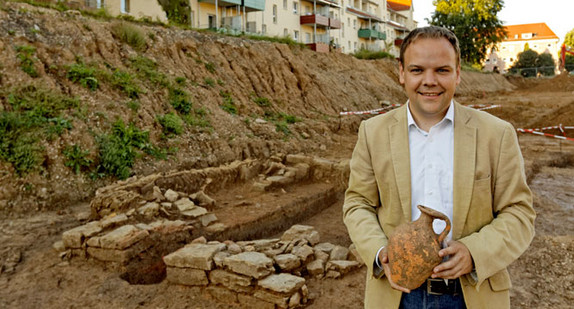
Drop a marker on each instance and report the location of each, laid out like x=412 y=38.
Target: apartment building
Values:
x=539 y=37
x=324 y=25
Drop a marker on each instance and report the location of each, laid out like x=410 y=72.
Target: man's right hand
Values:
x=384 y=260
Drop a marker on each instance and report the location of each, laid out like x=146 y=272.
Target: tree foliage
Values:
x=569 y=39
x=530 y=63
x=177 y=11
x=475 y=23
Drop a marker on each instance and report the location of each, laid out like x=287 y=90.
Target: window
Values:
x=125 y=6
x=295 y=7
x=274 y=13
x=264 y=28
x=285 y=32
x=349 y=45
x=355 y=46
x=307 y=37
x=354 y=24
x=284 y=4
x=296 y=35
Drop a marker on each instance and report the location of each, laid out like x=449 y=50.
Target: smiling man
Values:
x=462 y=162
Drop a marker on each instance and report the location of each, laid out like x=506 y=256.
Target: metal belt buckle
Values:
x=429 y=286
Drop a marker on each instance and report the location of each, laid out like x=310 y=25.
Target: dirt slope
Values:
x=211 y=69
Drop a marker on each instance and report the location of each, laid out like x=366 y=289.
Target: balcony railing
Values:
x=317 y=19
x=372 y=34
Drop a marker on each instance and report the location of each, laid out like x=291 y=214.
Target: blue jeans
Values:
x=420 y=299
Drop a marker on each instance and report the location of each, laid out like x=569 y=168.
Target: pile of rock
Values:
x=266 y=272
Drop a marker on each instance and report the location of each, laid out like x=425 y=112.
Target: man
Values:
x=435 y=152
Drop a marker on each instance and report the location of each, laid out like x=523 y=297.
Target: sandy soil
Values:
x=34 y=275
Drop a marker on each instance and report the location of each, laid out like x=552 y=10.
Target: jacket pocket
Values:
x=500 y=281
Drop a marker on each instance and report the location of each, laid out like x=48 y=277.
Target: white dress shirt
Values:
x=431 y=156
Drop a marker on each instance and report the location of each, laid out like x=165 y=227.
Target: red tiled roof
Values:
x=538 y=31
x=399 y=5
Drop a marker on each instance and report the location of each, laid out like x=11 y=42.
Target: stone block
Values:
x=305 y=253
x=287 y=262
x=293 y=159
x=259 y=244
x=316 y=268
x=149 y=210
x=254 y=264
x=343 y=267
x=119 y=255
x=120 y=238
x=113 y=220
x=184 y=204
x=219 y=257
x=285 y=284
x=197 y=256
x=320 y=255
x=186 y=276
x=194 y=212
x=325 y=247
x=171 y=195
x=282 y=301
x=232 y=281
x=207 y=219
x=339 y=253
x=75 y=237
x=297 y=232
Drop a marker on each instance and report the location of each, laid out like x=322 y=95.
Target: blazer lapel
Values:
x=398 y=135
x=464 y=168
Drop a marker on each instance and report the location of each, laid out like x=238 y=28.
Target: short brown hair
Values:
x=430 y=32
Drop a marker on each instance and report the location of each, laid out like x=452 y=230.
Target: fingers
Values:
x=395 y=286
x=459 y=262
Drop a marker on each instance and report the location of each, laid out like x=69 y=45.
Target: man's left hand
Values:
x=459 y=262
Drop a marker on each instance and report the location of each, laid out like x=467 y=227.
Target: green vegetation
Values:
x=119 y=150
x=25 y=54
x=370 y=55
x=171 y=123
x=281 y=121
x=84 y=75
x=475 y=24
x=530 y=64
x=124 y=81
x=177 y=11
x=77 y=158
x=180 y=100
x=130 y=34
x=209 y=81
x=148 y=69
x=228 y=104
x=262 y=101
x=209 y=66
x=34 y=114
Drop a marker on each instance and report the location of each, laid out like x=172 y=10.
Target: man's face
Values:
x=430 y=76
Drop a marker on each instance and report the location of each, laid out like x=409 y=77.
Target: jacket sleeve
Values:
x=511 y=230
x=361 y=202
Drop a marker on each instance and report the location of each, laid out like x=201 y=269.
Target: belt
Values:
x=438 y=286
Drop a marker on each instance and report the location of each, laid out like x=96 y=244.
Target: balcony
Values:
x=315 y=19
x=222 y=3
x=372 y=34
x=334 y=23
x=319 y=47
x=399 y=42
x=253 y=5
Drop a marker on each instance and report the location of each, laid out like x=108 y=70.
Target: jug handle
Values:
x=437 y=215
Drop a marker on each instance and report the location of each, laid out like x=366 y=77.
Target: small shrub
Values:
x=262 y=101
x=209 y=66
x=130 y=34
x=180 y=81
x=370 y=55
x=290 y=119
x=85 y=76
x=77 y=158
x=209 y=81
x=281 y=126
x=134 y=105
x=171 y=124
x=25 y=54
x=228 y=104
x=180 y=100
x=124 y=81
x=148 y=69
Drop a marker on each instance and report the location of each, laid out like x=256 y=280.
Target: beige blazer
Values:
x=493 y=213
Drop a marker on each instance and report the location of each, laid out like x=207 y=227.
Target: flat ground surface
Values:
x=35 y=276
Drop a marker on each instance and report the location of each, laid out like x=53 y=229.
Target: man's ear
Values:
x=401 y=73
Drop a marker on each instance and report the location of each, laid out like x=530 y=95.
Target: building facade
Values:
x=538 y=37
x=324 y=25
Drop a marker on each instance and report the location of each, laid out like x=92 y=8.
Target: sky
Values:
x=557 y=14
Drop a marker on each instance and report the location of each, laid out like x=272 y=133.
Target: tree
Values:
x=530 y=63
x=569 y=39
x=474 y=22
x=177 y=11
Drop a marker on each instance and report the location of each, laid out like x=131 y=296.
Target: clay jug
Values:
x=413 y=249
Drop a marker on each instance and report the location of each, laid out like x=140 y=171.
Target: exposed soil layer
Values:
x=299 y=82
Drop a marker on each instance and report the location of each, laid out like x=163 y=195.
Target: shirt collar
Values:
x=449 y=115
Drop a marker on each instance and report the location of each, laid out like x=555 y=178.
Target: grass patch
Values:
x=171 y=124
x=371 y=55
x=84 y=75
x=77 y=158
x=148 y=69
x=32 y=114
x=262 y=101
x=25 y=54
x=228 y=104
x=124 y=81
x=180 y=100
x=129 y=34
